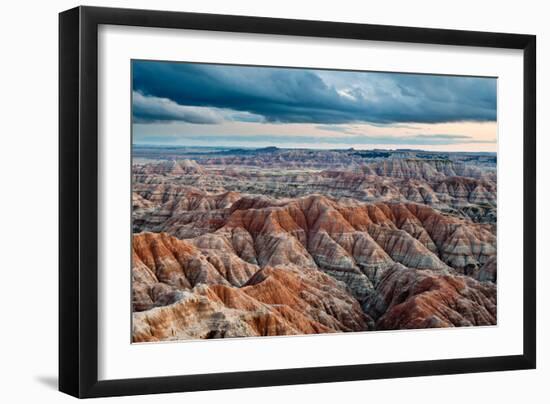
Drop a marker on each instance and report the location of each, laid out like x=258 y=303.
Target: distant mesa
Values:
x=269 y=149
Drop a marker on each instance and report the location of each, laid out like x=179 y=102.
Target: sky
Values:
x=193 y=104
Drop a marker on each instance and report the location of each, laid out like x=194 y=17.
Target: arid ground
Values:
x=235 y=242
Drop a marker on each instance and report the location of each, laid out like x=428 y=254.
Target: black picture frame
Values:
x=78 y=196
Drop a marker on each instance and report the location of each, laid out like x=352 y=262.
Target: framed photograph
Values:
x=251 y=201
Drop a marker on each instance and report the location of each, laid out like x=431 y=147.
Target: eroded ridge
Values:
x=254 y=245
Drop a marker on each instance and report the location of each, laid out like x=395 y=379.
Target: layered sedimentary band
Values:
x=284 y=242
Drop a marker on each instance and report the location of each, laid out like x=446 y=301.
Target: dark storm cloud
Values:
x=311 y=96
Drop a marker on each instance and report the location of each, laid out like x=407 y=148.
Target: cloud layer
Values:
x=213 y=94
x=156 y=109
x=286 y=141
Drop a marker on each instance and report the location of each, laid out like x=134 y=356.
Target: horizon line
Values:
x=157 y=145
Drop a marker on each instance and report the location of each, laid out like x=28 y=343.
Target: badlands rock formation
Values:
x=451 y=186
x=227 y=250
x=181 y=291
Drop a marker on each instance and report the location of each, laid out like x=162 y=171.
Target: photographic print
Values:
x=276 y=201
